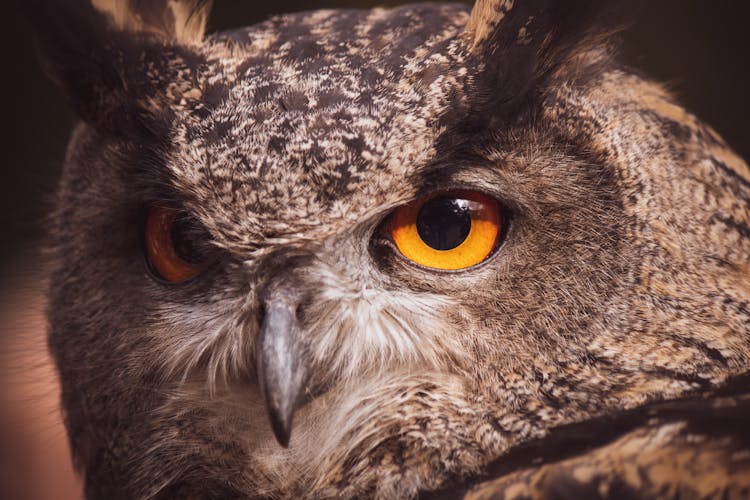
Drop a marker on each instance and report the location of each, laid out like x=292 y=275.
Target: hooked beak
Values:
x=281 y=360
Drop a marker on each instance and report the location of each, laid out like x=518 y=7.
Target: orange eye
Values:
x=170 y=250
x=451 y=231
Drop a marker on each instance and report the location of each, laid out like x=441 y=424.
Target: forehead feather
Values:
x=322 y=118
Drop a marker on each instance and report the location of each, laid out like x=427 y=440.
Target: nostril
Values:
x=294 y=296
x=261 y=315
x=262 y=312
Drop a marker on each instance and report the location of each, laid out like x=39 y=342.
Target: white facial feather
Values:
x=360 y=329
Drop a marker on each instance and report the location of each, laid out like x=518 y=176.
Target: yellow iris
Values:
x=482 y=238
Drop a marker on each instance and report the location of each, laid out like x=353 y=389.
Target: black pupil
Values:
x=186 y=239
x=444 y=223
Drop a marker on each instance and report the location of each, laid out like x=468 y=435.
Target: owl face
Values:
x=364 y=252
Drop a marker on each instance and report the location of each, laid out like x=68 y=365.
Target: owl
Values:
x=434 y=250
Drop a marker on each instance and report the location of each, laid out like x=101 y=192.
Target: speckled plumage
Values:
x=623 y=278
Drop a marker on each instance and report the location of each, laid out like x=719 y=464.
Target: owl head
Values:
x=366 y=252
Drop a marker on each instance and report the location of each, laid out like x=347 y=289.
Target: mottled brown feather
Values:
x=621 y=282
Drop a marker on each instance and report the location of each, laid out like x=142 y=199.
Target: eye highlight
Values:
x=449 y=231
x=170 y=245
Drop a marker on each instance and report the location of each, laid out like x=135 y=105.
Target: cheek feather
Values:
x=206 y=340
x=359 y=328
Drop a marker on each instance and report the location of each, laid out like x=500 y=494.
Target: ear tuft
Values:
x=516 y=46
x=116 y=58
x=485 y=17
x=545 y=24
x=174 y=21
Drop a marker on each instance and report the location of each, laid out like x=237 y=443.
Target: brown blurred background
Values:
x=698 y=49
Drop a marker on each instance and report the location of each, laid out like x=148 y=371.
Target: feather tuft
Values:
x=179 y=21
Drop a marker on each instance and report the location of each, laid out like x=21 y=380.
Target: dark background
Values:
x=699 y=49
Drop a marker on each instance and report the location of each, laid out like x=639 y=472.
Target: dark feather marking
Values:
x=725 y=412
x=739 y=226
x=729 y=171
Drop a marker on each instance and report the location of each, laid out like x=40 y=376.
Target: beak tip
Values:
x=281 y=424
